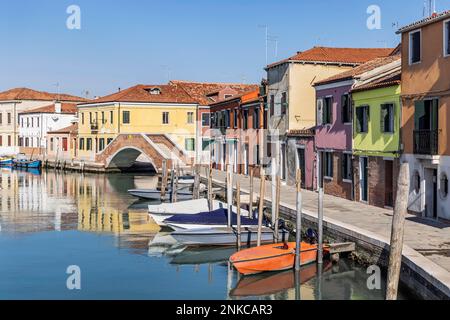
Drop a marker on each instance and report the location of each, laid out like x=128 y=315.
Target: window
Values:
x=81 y=143
x=256 y=155
x=190 y=144
x=101 y=144
x=265 y=119
x=111 y=117
x=444 y=185
x=190 y=117
x=387 y=118
x=165 y=118
x=64 y=144
x=362 y=119
x=205 y=144
x=9 y=118
x=1 y=118
x=283 y=103
x=51 y=144
x=447 y=38
x=346 y=106
x=226 y=96
x=82 y=118
x=328 y=164
x=255 y=118
x=37 y=121
x=415 y=50
x=206 y=120
x=90 y=117
x=103 y=117
x=347 y=166
x=327 y=110
x=272 y=105
x=89 y=144
x=227 y=118
x=125 y=117
x=235 y=114
x=245 y=119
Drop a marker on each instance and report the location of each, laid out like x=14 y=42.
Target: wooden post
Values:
x=298 y=233
x=164 y=179
x=320 y=227
x=277 y=207
x=262 y=191
x=238 y=213
x=398 y=223
x=210 y=191
x=196 y=191
x=250 y=205
x=273 y=189
x=172 y=182
x=177 y=173
x=229 y=190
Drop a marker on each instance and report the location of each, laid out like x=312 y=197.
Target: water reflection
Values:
x=67 y=218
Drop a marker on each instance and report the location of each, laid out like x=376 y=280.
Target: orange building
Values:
x=426 y=113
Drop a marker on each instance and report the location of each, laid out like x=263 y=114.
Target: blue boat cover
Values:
x=218 y=217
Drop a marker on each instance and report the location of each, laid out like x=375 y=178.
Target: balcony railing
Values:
x=426 y=142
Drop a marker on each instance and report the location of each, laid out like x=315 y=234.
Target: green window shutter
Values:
x=358 y=120
x=382 y=117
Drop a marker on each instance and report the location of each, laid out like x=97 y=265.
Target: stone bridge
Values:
x=123 y=151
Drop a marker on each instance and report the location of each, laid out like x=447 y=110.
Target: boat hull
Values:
x=220 y=236
x=182 y=226
x=6 y=163
x=273 y=257
x=28 y=164
x=156 y=195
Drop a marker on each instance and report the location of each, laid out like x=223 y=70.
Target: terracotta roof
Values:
x=393 y=79
x=72 y=129
x=431 y=19
x=350 y=56
x=140 y=93
x=70 y=108
x=359 y=70
x=200 y=90
x=245 y=97
x=30 y=94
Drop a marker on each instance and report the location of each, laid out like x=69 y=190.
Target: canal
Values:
x=50 y=221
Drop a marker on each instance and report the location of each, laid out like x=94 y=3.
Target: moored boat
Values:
x=32 y=164
x=154 y=194
x=6 y=162
x=223 y=236
x=273 y=257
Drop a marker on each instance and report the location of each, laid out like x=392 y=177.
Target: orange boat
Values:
x=272 y=257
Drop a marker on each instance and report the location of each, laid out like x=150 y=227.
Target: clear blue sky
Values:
x=125 y=42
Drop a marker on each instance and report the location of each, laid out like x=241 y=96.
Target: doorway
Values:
x=431 y=193
x=301 y=164
x=389 y=183
x=364 y=179
x=283 y=161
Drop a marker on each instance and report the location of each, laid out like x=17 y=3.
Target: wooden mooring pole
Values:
x=277 y=207
x=250 y=205
x=196 y=190
x=210 y=191
x=320 y=226
x=238 y=212
x=398 y=223
x=229 y=193
x=262 y=192
x=164 y=179
x=298 y=232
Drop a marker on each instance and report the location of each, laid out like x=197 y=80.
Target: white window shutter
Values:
x=319 y=112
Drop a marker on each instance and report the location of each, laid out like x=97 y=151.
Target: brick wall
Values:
x=376 y=180
x=337 y=187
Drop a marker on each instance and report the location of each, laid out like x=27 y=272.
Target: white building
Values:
x=18 y=100
x=34 y=125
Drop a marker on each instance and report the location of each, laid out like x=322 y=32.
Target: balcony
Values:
x=94 y=127
x=426 y=142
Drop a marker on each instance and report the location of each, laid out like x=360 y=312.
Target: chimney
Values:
x=58 y=107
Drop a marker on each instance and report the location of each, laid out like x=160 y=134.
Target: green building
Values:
x=376 y=139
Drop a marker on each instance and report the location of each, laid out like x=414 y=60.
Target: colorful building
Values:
x=334 y=130
x=237 y=133
x=376 y=138
x=17 y=100
x=34 y=125
x=62 y=144
x=292 y=98
x=426 y=113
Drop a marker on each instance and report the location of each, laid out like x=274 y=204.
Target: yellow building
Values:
x=142 y=109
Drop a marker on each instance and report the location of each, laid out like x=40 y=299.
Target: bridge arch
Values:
x=126 y=156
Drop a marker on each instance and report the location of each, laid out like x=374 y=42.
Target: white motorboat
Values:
x=223 y=236
x=154 y=194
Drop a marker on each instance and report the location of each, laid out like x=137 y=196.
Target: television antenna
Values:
x=429 y=7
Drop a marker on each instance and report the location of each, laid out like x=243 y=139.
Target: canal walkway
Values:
x=428 y=237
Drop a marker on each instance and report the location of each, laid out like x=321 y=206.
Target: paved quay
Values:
x=425 y=239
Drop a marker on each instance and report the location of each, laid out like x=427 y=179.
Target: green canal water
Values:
x=50 y=221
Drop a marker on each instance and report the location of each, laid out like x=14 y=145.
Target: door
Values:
x=389 y=183
x=364 y=173
x=246 y=158
x=430 y=176
x=301 y=164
